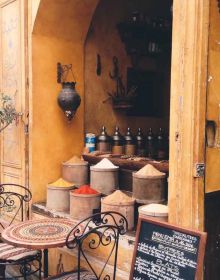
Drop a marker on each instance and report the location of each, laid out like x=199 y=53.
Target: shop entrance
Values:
x=74 y=41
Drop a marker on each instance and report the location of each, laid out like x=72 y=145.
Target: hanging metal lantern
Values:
x=68 y=98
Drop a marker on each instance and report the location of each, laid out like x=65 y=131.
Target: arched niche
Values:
x=59 y=32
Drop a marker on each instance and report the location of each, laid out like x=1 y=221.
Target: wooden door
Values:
x=212 y=178
x=13 y=82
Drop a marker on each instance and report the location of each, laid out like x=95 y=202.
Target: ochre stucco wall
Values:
x=103 y=39
x=53 y=138
x=59 y=33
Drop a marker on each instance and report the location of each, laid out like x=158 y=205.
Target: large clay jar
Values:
x=68 y=99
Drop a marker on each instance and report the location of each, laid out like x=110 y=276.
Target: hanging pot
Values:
x=68 y=99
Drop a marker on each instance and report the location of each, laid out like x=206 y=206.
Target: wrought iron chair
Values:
x=14 y=200
x=88 y=236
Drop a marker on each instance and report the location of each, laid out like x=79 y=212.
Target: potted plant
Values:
x=121 y=98
x=8 y=113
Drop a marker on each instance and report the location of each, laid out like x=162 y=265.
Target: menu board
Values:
x=167 y=252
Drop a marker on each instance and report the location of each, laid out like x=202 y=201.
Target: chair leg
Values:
x=40 y=270
x=2 y=271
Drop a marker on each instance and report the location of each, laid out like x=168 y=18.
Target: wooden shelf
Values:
x=129 y=164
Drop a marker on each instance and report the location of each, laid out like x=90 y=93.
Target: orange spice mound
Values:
x=86 y=189
x=61 y=183
x=74 y=159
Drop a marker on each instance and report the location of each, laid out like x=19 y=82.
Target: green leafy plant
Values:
x=8 y=113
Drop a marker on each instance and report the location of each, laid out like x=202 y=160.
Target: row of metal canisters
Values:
x=152 y=146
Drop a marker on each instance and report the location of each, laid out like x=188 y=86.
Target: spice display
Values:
x=140 y=143
x=117 y=142
x=104 y=141
x=84 y=202
x=74 y=159
x=86 y=189
x=75 y=170
x=104 y=176
x=155 y=211
x=105 y=164
x=118 y=197
x=154 y=208
x=149 y=170
x=61 y=183
x=129 y=143
x=121 y=203
x=148 y=185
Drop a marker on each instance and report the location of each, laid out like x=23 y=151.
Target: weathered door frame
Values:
x=21 y=175
x=188 y=111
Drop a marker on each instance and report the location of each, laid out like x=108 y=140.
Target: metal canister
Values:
x=90 y=141
x=130 y=146
x=140 y=143
x=150 y=144
x=117 y=142
x=104 y=141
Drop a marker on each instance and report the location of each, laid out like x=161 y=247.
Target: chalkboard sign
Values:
x=167 y=252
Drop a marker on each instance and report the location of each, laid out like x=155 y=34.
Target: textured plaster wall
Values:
x=53 y=138
x=59 y=33
x=103 y=39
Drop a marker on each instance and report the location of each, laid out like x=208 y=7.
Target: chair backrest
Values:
x=97 y=234
x=13 y=199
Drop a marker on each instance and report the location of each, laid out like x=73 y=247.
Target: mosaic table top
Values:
x=38 y=234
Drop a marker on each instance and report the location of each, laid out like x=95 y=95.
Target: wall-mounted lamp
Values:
x=68 y=98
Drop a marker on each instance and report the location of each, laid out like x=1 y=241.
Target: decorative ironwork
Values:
x=13 y=198
x=101 y=229
x=121 y=98
x=26 y=267
x=63 y=71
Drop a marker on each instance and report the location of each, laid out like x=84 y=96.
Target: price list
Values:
x=165 y=254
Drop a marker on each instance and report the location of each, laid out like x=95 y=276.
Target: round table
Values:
x=39 y=234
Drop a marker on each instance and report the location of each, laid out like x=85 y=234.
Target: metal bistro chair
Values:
x=13 y=201
x=100 y=232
